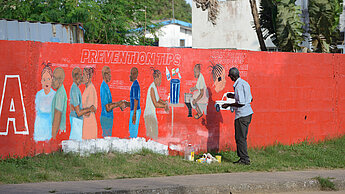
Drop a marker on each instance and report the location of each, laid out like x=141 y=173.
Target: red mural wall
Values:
x=295 y=96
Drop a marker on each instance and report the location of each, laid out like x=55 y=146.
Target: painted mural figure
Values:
x=152 y=102
x=89 y=98
x=107 y=114
x=200 y=97
x=243 y=113
x=77 y=110
x=134 y=104
x=43 y=106
x=59 y=104
x=218 y=75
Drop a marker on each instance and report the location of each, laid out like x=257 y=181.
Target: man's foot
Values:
x=243 y=162
x=236 y=162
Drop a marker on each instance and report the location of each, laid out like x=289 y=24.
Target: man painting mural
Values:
x=243 y=113
x=107 y=114
x=200 y=99
x=134 y=104
x=59 y=103
x=77 y=110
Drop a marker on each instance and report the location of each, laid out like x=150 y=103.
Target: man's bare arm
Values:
x=56 y=123
x=134 y=118
x=112 y=105
x=81 y=112
x=226 y=105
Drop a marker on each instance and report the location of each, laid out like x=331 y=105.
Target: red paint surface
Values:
x=296 y=96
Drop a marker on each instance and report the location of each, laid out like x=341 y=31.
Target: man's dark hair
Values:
x=234 y=72
x=135 y=72
x=197 y=66
x=75 y=72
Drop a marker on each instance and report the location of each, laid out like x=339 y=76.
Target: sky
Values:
x=189 y=1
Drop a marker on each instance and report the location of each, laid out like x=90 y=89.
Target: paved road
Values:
x=246 y=182
x=316 y=192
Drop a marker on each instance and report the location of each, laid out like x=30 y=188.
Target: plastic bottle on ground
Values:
x=189 y=153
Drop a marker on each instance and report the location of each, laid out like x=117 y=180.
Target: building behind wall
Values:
x=41 y=31
x=173 y=33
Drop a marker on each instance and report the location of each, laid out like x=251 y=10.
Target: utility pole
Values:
x=173 y=11
x=145 y=26
x=144 y=10
x=305 y=19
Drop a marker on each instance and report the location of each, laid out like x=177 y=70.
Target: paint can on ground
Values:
x=174 y=91
x=219 y=158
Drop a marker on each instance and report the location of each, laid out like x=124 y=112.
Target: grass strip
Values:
x=326 y=183
x=58 y=166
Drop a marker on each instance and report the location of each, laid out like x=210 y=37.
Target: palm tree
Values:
x=257 y=25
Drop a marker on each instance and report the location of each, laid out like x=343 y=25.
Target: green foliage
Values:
x=324 y=20
x=162 y=9
x=281 y=20
x=289 y=26
x=104 y=21
x=268 y=18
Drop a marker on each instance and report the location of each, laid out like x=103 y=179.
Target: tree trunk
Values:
x=257 y=25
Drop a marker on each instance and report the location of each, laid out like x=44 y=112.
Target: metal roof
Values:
x=41 y=31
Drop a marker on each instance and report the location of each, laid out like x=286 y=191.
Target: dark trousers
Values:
x=241 y=132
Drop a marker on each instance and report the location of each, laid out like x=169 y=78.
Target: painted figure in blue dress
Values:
x=43 y=105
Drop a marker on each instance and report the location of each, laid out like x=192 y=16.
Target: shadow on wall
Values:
x=212 y=123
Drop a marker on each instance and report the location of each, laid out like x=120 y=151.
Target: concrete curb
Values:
x=246 y=182
x=291 y=186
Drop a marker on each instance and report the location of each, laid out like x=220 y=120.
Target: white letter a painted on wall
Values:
x=12 y=109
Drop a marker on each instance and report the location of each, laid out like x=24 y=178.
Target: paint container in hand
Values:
x=174 y=91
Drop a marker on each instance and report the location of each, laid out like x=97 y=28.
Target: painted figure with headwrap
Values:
x=43 y=106
x=89 y=99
